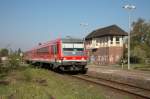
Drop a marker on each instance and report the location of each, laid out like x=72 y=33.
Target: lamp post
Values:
x=9 y=49
x=129 y=7
x=84 y=25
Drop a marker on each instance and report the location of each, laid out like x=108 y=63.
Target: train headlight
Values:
x=63 y=58
x=82 y=58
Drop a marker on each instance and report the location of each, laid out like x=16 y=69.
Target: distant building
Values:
x=105 y=45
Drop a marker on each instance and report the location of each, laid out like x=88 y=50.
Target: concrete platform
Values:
x=131 y=77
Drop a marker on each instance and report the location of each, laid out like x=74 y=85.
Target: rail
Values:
x=144 y=93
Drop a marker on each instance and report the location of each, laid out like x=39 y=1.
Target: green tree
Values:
x=4 y=52
x=140 y=41
x=14 y=61
x=19 y=51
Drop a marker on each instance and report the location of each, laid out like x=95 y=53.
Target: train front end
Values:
x=73 y=55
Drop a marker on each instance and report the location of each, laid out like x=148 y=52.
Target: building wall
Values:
x=105 y=50
x=115 y=53
x=106 y=55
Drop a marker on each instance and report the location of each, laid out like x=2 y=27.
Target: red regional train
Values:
x=65 y=54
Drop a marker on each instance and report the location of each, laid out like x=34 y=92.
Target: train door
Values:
x=54 y=52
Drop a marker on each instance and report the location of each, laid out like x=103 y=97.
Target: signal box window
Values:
x=111 y=39
x=117 y=40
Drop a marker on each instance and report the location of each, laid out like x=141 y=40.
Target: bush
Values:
x=136 y=60
x=122 y=60
x=14 y=61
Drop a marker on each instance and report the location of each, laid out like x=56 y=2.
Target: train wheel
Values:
x=84 y=71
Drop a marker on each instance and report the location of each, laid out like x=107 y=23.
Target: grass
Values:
x=145 y=67
x=32 y=83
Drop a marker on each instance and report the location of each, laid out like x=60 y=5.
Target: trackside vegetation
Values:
x=140 y=46
x=140 y=42
x=22 y=81
x=33 y=83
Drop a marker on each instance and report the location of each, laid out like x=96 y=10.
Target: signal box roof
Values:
x=112 y=30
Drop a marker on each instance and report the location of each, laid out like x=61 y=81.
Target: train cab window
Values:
x=73 y=49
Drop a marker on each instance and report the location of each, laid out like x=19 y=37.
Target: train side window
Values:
x=43 y=50
x=52 y=49
x=55 y=49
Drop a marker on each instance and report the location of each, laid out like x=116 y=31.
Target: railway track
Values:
x=144 y=93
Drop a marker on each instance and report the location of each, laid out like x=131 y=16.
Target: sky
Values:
x=25 y=23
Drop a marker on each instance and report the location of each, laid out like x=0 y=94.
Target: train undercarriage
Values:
x=79 y=67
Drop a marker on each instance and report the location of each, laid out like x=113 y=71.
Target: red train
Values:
x=66 y=54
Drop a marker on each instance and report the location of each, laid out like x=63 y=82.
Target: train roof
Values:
x=64 y=40
x=69 y=40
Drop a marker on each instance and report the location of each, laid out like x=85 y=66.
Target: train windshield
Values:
x=73 y=49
